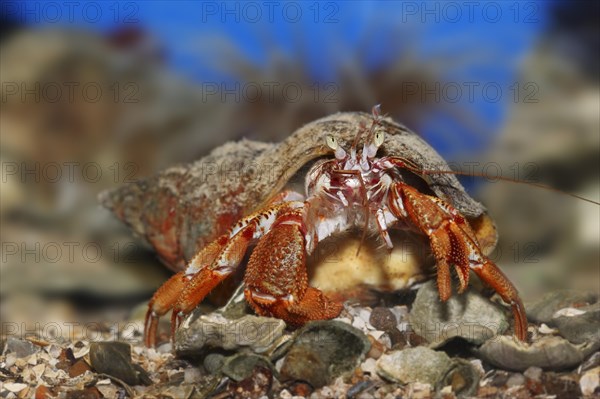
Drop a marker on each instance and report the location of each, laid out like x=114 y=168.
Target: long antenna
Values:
x=507 y=179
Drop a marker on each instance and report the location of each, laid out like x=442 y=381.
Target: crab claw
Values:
x=277 y=282
x=453 y=242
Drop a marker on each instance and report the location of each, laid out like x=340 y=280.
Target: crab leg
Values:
x=230 y=256
x=162 y=301
x=184 y=291
x=167 y=295
x=276 y=279
x=454 y=243
x=492 y=275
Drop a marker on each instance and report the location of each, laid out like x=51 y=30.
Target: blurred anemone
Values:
x=366 y=59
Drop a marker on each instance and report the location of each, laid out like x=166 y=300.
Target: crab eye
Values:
x=379 y=137
x=331 y=142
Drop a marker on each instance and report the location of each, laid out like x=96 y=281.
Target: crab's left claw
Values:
x=453 y=242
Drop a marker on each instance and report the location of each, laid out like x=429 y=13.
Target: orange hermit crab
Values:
x=364 y=174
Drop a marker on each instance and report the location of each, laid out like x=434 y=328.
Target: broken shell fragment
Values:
x=548 y=353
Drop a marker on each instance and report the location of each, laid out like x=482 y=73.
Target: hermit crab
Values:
x=361 y=172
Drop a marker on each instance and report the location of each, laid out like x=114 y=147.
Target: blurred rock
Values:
x=414 y=365
x=469 y=316
x=324 y=350
x=583 y=328
x=550 y=138
x=542 y=310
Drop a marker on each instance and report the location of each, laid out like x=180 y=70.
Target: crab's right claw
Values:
x=277 y=282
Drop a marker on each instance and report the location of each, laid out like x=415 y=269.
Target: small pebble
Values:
x=107 y=391
x=43 y=392
x=285 y=394
x=383 y=319
x=592 y=362
x=39 y=370
x=386 y=341
x=324 y=350
x=534 y=380
x=462 y=376
x=10 y=360
x=516 y=379
x=376 y=334
x=544 y=329
x=20 y=347
x=568 y=312
x=114 y=358
x=213 y=362
x=87 y=393
x=357 y=388
x=301 y=389
x=561 y=386
x=53 y=350
x=420 y=390
x=242 y=366
x=413 y=365
x=478 y=365
x=256 y=385
x=191 y=375
x=533 y=373
x=377 y=348
x=590 y=381
x=415 y=339
x=79 y=368
x=369 y=366
x=14 y=386
x=400 y=312
x=167 y=347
